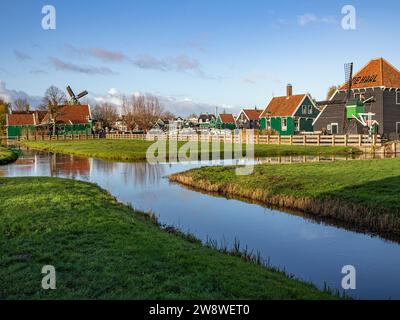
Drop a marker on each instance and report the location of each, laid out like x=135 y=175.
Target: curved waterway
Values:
x=310 y=250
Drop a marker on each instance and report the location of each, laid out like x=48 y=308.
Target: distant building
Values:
x=290 y=114
x=249 y=119
x=205 y=120
x=225 y=121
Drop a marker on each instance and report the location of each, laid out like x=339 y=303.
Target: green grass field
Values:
x=363 y=193
x=102 y=249
x=135 y=150
x=7 y=156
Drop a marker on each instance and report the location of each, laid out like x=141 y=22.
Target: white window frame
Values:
x=334 y=124
x=310 y=109
x=267 y=123
x=359 y=96
x=398 y=127
x=397 y=97
x=284 y=127
x=304 y=109
x=297 y=124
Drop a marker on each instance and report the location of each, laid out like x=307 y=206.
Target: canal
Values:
x=310 y=250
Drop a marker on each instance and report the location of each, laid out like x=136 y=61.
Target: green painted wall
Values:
x=306 y=124
x=219 y=125
x=16 y=131
x=276 y=124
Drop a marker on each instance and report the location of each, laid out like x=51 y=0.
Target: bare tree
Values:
x=331 y=91
x=54 y=97
x=142 y=112
x=167 y=115
x=106 y=114
x=21 y=104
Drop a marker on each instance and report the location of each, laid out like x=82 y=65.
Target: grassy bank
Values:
x=135 y=150
x=362 y=193
x=102 y=249
x=7 y=156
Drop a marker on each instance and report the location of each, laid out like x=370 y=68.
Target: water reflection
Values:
x=308 y=249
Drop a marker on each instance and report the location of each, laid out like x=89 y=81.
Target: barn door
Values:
x=334 y=128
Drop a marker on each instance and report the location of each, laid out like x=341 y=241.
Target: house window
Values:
x=309 y=109
x=304 y=109
x=359 y=96
x=398 y=127
x=297 y=124
x=268 y=123
x=397 y=97
x=284 y=124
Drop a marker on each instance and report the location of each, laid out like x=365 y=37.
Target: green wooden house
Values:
x=290 y=115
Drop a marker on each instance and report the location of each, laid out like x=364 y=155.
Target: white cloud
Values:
x=10 y=95
x=309 y=18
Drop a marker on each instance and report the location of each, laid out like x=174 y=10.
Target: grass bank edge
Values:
x=7 y=155
x=371 y=205
x=103 y=249
x=135 y=150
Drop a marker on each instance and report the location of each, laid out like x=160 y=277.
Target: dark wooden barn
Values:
x=377 y=83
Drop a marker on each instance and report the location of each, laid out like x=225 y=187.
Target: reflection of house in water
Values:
x=68 y=165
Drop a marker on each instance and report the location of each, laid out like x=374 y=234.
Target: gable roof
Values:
x=376 y=73
x=21 y=119
x=283 y=106
x=227 y=118
x=71 y=114
x=205 y=117
x=252 y=114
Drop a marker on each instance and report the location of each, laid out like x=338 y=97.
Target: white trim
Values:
x=284 y=128
x=397 y=97
x=242 y=111
x=334 y=124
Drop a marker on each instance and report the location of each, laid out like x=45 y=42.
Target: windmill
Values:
x=75 y=99
x=354 y=109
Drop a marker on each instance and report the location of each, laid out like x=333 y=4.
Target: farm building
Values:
x=290 y=114
x=225 y=121
x=249 y=119
x=376 y=90
x=69 y=119
x=19 y=123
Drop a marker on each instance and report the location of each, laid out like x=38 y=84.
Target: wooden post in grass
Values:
x=345 y=140
x=360 y=140
x=333 y=140
x=318 y=140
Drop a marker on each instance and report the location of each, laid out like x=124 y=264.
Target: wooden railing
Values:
x=306 y=140
x=315 y=140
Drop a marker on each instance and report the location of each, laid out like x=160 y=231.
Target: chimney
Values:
x=289 y=90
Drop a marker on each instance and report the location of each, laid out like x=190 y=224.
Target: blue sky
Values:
x=196 y=53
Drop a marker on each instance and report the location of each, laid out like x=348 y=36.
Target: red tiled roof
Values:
x=283 y=106
x=376 y=73
x=252 y=114
x=74 y=114
x=227 y=118
x=21 y=119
